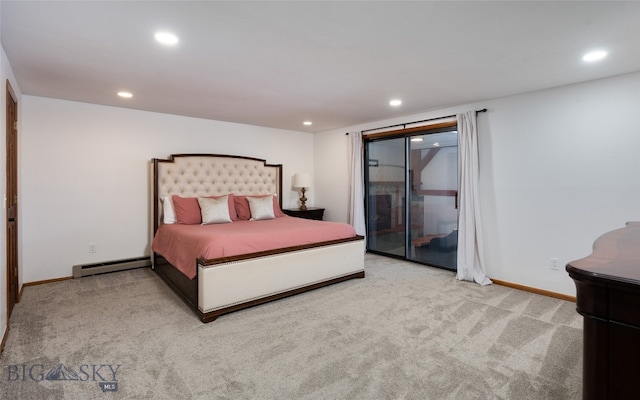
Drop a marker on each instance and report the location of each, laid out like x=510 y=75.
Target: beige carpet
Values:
x=404 y=332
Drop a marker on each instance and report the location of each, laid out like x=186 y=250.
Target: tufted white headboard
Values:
x=191 y=175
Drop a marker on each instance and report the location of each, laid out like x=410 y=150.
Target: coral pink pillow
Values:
x=244 y=212
x=277 y=212
x=188 y=211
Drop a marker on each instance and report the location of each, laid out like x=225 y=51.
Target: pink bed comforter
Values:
x=181 y=245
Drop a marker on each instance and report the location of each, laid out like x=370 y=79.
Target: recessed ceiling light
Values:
x=416 y=139
x=126 y=95
x=166 y=38
x=307 y=123
x=436 y=144
x=594 y=56
x=395 y=102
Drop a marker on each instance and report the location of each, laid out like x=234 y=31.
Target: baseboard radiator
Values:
x=110 y=266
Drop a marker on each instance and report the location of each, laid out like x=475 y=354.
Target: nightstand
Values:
x=309 y=213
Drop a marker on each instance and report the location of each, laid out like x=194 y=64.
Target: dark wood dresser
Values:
x=309 y=213
x=608 y=297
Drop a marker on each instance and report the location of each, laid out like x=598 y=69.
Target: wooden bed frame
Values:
x=233 y=283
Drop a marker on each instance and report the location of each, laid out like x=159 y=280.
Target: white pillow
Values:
x=214 y=211
x=261 y=207
x=168 y=213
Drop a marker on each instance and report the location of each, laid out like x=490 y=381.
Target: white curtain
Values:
x=356 y=183
x=470 y=254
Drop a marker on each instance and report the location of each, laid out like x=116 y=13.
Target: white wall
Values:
x=85 y=176
x=558 y=168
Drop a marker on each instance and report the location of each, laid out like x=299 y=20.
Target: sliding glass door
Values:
x=386 y=197
x=412 y=203
x=434 y=198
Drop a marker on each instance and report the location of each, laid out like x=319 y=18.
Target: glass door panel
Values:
x=386 y=189
x=433 y=197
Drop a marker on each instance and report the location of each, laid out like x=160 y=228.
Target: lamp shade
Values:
x=302 y=180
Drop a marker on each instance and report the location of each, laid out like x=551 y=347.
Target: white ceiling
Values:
x=337 y=64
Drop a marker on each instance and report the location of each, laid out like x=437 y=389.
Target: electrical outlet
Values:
x=554 y=263
x=92 y=247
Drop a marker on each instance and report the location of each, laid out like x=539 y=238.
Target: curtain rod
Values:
x=417 y=122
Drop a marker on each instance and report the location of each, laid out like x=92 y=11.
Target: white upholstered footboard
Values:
x=222 y=286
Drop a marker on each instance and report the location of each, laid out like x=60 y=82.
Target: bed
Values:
x=219 y=281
